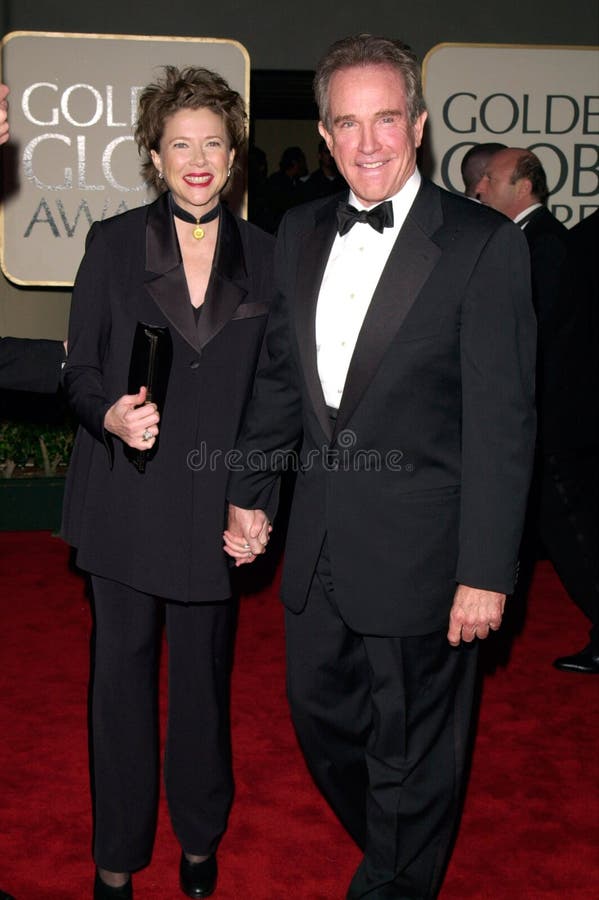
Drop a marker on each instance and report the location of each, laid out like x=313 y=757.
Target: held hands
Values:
x=248 y=532
x=134 y=420
x=474 y=613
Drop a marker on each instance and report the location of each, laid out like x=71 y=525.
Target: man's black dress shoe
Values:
x=198 y=879
x=103 y=891
x=5 y=896
x=587 y=662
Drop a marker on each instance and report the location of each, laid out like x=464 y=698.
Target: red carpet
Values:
x=529 y=828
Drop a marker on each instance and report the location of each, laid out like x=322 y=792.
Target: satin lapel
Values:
x=314 y=254
x=227 y=287
x=411 y=261
x=165 y=277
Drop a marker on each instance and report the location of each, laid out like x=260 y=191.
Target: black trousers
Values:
x=384 y=725
x=124 y=740
x=568 y=524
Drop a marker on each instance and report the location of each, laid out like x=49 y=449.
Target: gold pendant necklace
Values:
x=198 y=232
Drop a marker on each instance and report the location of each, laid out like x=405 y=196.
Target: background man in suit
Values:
x=283 y=189
x=31 y=365
x=564 y=500
x=401 y=360
x=474 y=163
x=326 y=179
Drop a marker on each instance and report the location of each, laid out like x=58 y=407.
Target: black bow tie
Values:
x=379 y=217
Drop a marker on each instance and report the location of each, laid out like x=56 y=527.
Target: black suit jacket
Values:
x=567 y=309
x=423 y=482
x=580 y=324
x=161 y=531
x=31 y=365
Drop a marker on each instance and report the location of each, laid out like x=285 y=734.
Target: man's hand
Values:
x=474 y=613
x=247 y=534
x=3 y=113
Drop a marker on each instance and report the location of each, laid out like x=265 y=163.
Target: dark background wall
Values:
x=282 y=36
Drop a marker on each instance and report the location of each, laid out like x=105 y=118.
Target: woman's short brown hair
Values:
x=189 y=88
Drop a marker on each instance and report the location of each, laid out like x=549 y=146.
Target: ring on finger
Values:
x=146 y=435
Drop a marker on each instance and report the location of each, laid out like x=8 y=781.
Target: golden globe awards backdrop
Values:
x=73 y=159
x=542 y=98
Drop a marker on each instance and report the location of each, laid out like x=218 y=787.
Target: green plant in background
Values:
x=34 y=449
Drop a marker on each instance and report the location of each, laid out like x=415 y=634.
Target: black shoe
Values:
x=103 y=891
x=198 y=879
x=5 y=896
x=587 y=662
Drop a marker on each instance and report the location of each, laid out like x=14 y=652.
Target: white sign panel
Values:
x=72 y=158
x=543 y=98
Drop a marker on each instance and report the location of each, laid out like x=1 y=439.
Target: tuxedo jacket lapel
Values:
x=316 y=249
x=166 y=283
x=411 y=261
x=165 y=277
x=227 y=287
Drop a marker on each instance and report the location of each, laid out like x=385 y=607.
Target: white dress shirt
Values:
x=353 y=270
x=525 y=213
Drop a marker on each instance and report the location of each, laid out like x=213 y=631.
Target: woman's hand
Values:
x=133 y=420
x=247 y=534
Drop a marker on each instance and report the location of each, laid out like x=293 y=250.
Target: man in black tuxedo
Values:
x=400 y=365
x=564 y=506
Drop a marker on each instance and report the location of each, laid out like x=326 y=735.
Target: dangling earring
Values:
x=160 y=175
x=229 y=172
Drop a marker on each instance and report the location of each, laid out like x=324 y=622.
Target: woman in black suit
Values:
x=151 y=539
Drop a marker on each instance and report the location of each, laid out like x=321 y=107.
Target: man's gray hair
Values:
x=368 y=50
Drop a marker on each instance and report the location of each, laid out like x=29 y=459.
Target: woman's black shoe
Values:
x=198 y=879
x=103 y=891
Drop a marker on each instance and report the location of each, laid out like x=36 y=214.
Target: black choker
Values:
x=198 y=232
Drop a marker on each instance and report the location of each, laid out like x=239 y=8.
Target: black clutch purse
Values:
x=150 y=366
